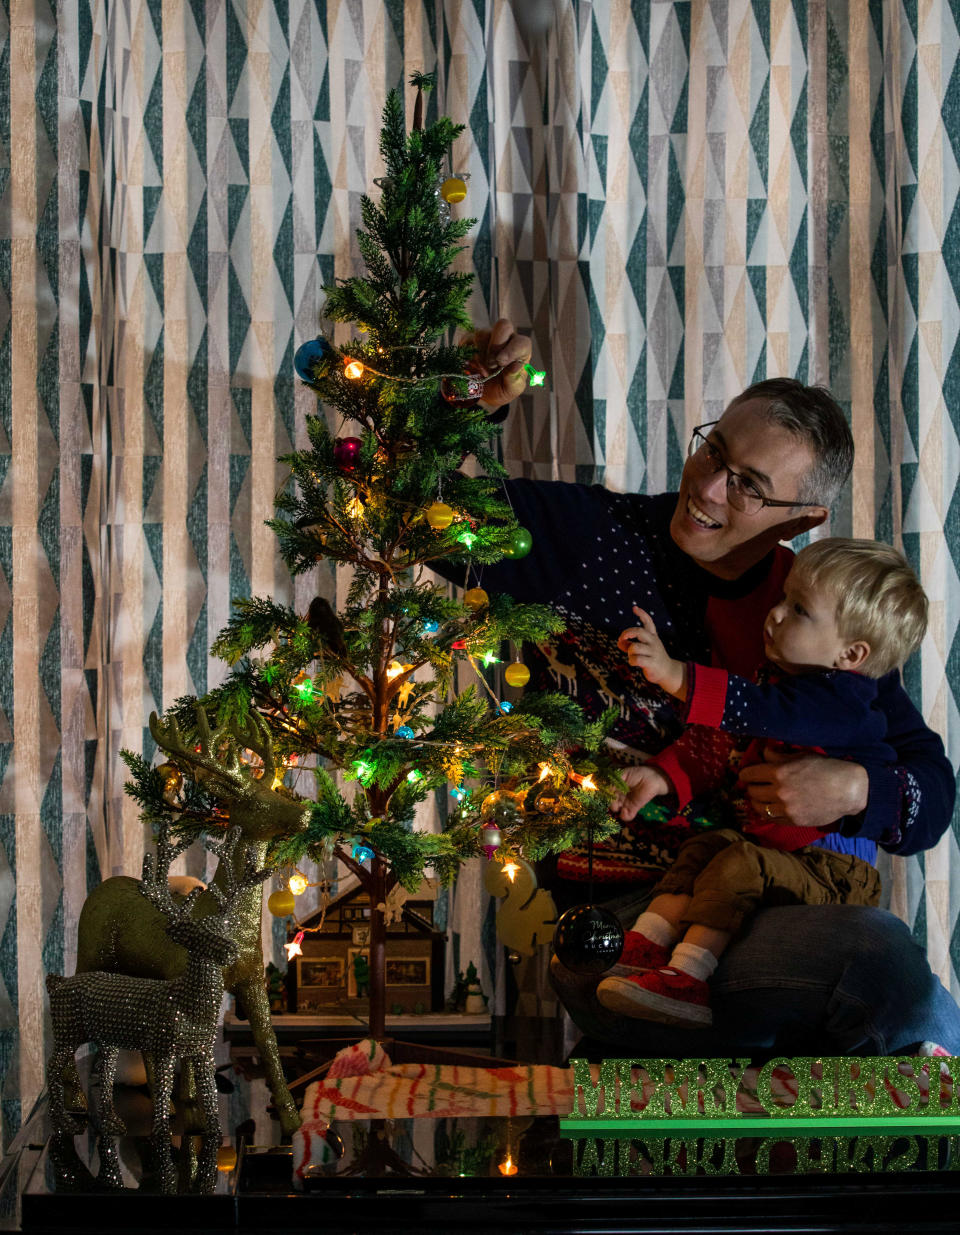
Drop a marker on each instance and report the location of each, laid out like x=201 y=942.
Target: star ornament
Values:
x=293 y=947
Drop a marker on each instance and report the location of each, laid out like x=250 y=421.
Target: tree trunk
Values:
x=378 y=932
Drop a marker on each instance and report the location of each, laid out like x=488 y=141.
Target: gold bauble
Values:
x=492 y=800
x=476 y=598
x=517 y=674
x=439 y=515
x=453 y=189
x=171 y=776
x=281 y=903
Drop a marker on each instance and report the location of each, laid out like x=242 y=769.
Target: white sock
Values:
x=697 y=962
x=656 y=929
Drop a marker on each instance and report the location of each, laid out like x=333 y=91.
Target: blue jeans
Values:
x=799 y=980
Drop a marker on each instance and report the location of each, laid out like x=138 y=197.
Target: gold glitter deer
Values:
x=169 y=1020
x=119 y=934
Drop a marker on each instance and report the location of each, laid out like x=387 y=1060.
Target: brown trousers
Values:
x=729 y=877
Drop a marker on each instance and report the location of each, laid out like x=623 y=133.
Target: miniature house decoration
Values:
x=332 y=972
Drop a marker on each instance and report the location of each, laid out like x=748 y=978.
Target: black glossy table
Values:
x=447 y=1175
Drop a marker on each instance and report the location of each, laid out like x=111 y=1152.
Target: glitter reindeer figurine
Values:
x=167 y=1020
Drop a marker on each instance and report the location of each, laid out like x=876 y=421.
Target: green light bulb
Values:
x=537 y=376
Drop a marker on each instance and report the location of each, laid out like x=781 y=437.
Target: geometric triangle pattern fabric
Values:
x=673 y=200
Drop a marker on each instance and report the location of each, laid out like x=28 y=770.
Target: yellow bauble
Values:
x=281 y=903
x=476 y=598
x=439 y=515
x=171 y=777
x=453 y=189
x=517 y=674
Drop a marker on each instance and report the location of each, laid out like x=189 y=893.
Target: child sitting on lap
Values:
x=852 y=611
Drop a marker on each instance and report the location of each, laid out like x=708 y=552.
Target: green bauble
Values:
x=521 y=542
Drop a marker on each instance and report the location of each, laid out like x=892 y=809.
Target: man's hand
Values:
x=501 y=348
x=644 y=783
x=807 y=791
x=645 y=651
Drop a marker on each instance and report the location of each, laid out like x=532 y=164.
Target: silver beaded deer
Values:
x=167 y=1020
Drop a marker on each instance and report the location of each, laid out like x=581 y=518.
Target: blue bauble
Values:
x=404 y=732
x=312 y=359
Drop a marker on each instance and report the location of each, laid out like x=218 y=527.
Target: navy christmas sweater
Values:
x=597 y=553
x=731 y=720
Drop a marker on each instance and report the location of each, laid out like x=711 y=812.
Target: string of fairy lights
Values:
x=314 y=361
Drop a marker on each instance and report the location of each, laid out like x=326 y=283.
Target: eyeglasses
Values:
x=742 y=494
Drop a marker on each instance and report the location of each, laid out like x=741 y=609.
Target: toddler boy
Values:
x=852 y=611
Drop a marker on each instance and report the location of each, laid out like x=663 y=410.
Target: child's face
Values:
x=800 y=633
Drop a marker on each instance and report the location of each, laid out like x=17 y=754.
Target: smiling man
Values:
x=708 y=564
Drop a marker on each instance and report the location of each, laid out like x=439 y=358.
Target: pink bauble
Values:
x=346 y=452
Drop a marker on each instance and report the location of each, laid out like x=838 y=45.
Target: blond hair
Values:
x=878 y=597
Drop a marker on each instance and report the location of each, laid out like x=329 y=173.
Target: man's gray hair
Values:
x=813 y=415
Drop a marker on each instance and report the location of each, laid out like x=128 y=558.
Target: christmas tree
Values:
x=370 y=692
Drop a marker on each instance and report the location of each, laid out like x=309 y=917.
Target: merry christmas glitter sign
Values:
x=697 y=1095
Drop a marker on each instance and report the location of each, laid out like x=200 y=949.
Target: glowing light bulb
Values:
x=304 y=687
x=353 y=369
x=489 y=659
x=536 y=376
x=355 y=508
x=394 y=669
x=587 y=783
x=508 y=1167
x=544 y=771
x=297 y=883
x=364 y=770
x=293 y=946
x=510 y=870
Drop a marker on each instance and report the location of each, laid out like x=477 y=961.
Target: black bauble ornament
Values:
x=588 y=939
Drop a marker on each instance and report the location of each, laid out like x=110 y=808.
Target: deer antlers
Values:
x=155 y=886
x=236 y=884
x=156 y=871
x=254 y=802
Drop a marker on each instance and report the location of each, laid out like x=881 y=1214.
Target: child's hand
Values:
x=644 y=783
x=645 y=651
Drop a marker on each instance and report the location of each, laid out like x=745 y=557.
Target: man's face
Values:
x=721 y=539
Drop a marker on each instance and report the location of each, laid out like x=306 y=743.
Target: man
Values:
x=706 y=563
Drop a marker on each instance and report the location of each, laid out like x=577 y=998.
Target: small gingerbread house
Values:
x=333 y=971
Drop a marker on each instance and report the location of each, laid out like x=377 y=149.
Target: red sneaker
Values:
x=640 y=955
x=667 y=995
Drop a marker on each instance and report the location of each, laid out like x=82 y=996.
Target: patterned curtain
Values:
x=673 y=198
